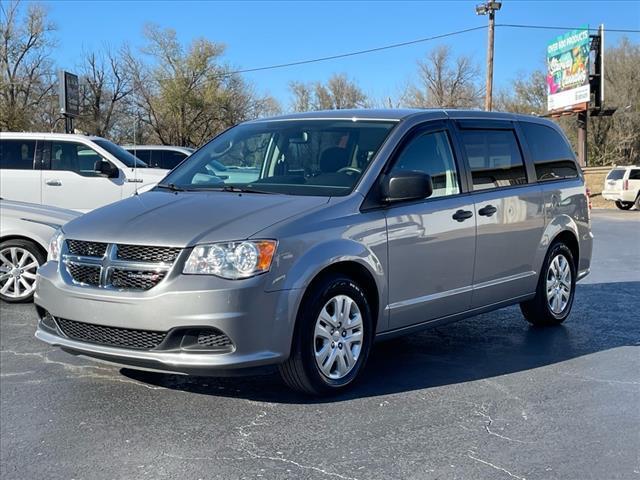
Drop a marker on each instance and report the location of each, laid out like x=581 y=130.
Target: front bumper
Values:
x=259 y=323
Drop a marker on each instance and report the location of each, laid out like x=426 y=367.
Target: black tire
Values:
x=35 y=250
x=637 y=203
x=301 y=372
x=537 y=311
x=624 y=205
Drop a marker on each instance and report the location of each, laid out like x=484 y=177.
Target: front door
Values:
x=72 y=181
x=510 y=216
x=431 y=242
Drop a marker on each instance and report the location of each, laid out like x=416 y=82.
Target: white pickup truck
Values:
x=69 y=171
x=622 y=186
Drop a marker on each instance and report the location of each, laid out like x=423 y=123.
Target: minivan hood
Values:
x=184 y=219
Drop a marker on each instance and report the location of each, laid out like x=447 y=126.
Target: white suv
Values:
x=69 y=171
x=622 y=185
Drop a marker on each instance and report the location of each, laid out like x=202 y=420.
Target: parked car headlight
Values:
x=55 y=245
x=231 y=260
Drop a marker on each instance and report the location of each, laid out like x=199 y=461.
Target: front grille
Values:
x=125 y=267
x=85 y=274
x=111 y=336
x=143 y=253
x=213 y=339
x=136 y=279
x=86 y=249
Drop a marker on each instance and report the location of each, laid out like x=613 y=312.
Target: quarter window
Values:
x=17 y=154
x=552 y=156
x=634 y=175
x=431 y=153
x=494 y=158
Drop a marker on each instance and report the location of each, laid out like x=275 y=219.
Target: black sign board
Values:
x=69 y=94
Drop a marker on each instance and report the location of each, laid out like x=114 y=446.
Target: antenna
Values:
x=135 y=150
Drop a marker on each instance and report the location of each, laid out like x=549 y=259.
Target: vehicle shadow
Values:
x=604 y=317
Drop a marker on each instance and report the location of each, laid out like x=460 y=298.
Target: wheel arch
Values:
x=41 y=247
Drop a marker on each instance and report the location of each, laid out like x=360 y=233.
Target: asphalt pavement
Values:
x=486 y=398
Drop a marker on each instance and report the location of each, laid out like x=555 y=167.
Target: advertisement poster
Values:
x=568 y=70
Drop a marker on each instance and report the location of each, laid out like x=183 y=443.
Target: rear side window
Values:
x=494 y=158
x=171 y=158
x=17 y=154
x=634 y=175
x=144 y=155
x=431 y=153
x=552 y=156
x=616 y=174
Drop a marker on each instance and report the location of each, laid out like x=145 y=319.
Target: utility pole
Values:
x=489 y=8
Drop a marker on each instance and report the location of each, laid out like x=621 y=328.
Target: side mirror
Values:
x=406 y=185
x=107 y=169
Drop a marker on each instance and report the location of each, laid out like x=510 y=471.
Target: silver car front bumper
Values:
x=259 y=323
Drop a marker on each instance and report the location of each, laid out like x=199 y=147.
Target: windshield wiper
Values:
x=230 y=188
x=170 y=186
x=233 y=188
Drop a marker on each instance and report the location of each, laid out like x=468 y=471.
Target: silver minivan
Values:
x=354 y=226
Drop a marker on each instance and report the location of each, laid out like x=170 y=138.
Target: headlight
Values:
x=55 y=245
x=232 y=260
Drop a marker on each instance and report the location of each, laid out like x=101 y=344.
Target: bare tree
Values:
x=527 y=94
x=445 y=81
x=105 y=86
x=186 y=95
x=339 y=92
x=25 y=65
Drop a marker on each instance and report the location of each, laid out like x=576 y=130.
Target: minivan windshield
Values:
x=295 y=157
x=120 y=153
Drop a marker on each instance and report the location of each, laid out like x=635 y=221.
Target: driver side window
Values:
x=77 y=158
x=431 y=153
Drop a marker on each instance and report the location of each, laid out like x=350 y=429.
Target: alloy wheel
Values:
x=17 y=272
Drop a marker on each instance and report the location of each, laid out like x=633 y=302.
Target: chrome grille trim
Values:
x=109 y=264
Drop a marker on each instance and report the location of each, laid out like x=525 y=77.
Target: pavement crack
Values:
x=504 y=470
x=250 y=448
x=487 y=427
x=587 y=378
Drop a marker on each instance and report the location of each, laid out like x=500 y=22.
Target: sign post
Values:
x=69 y=95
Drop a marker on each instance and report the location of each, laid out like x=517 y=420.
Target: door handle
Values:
x=54 y=182
x=487 y=211
x=462 y=215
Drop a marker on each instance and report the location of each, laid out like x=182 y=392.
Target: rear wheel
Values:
x=638 y=201
x=624 y=205
x=334 y=330
x=19 y=260
x=555 y=291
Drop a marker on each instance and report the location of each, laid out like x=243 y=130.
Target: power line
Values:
x=359 y=52
x=411 y=42
x=547 y=27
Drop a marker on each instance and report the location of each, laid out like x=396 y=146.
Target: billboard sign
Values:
x=568 y=70
x=69 y=94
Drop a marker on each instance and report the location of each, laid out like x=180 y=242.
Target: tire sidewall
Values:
x=307 y=316
x=554 y=251
x=32 y=248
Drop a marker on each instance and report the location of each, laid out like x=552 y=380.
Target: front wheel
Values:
x=624 y=205
x=555 y=291
x=19 y=261
x=333 y=336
